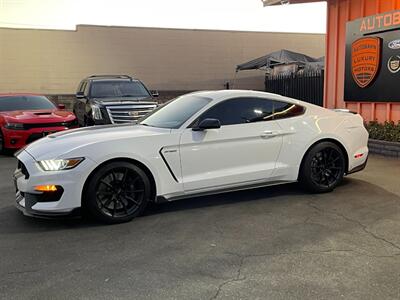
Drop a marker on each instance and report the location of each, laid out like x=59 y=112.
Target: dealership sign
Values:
x=377 y=23
x=373 y=58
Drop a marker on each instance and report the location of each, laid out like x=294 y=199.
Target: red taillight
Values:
x=359 y=155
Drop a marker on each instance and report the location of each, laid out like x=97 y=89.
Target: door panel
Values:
x=232 y=154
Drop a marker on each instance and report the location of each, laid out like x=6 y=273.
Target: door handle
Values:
x=269 y=134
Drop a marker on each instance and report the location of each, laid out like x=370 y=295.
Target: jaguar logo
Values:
x=394 y=64
x=394 y=44
x=134 y=113
x=365 y=57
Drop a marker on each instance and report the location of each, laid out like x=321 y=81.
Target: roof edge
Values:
x=283 y=2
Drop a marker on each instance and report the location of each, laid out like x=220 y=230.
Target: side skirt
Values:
x=162 y=199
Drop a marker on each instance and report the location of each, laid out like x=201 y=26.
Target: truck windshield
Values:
x=120 y=88
x=176 y=112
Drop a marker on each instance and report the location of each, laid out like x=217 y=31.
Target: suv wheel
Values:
x=117 y=192
x=323 y=168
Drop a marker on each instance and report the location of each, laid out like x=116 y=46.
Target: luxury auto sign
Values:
x=365 y=59
x=373 y=58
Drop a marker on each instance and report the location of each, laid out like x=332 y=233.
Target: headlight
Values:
x=96 y=112
x=60 y=164
x=14 y=126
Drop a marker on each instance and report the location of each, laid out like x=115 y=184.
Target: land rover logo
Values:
x=394 y=44
x=365 y=57
x=134 y=114
x=394 y=64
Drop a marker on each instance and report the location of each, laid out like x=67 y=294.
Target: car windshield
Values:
x=121 y=88
x=176 y=112
x=11 y=103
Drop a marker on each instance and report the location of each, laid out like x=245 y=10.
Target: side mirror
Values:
x=155 y=93
x=80 y=95
x=61 y=106
x=208 y=124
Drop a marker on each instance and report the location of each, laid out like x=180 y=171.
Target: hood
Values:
x=62 y=143
x=38 y=116
x=118 y=100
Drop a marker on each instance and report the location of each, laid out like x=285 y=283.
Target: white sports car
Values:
x=200 y=143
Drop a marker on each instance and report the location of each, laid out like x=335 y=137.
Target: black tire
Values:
x=117 y=193
x=322 y=168
x=74 y=112
x=1 y=142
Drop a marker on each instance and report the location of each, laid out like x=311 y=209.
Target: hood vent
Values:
x=42 y=113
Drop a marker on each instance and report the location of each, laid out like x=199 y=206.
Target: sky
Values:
x=247 y=15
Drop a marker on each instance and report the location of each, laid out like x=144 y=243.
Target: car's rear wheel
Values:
x=117 y=192
x=322 y=168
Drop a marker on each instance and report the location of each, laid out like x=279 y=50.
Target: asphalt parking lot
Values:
x=270 y=243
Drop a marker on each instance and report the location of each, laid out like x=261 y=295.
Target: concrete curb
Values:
x=385 y=148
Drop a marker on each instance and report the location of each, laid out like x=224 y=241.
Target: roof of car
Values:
x=224 y=94
x=234 y=93
x=102 y=77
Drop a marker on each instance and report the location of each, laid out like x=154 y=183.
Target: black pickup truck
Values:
x=112 y=99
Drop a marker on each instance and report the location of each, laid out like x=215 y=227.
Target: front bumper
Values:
x=16 y=139
x=25 y=202
x=39 y=204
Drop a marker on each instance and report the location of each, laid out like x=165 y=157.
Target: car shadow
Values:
x=7 y=153
x=13 y=221
x=250 y=195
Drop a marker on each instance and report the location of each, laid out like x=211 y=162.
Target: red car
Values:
x=25 y=118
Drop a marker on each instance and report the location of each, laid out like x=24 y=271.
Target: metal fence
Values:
x=308 y=86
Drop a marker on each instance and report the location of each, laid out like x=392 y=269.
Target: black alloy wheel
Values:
x=323 y=167
x=326 y=167
x=118 y=192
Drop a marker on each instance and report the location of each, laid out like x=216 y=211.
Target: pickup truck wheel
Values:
x=117 y=192
x=323 y=168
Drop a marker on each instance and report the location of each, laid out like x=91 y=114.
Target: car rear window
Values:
x=11 y=103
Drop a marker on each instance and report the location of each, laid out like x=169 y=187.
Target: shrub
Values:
x=388 y=131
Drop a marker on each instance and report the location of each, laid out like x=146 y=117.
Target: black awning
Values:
x=281 y=57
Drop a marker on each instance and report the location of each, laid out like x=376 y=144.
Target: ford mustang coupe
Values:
x=200 y=143
x=25 y=118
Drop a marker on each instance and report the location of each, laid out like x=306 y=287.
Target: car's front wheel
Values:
x=117 y=192
x=1 y=142
x=322 y=168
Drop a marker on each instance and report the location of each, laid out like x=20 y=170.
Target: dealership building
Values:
x=362 y=70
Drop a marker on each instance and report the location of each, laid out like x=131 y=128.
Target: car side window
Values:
x=250 y=110
x=240 y=111
x=283 y=110
x=80 y=87
x=86 y=89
